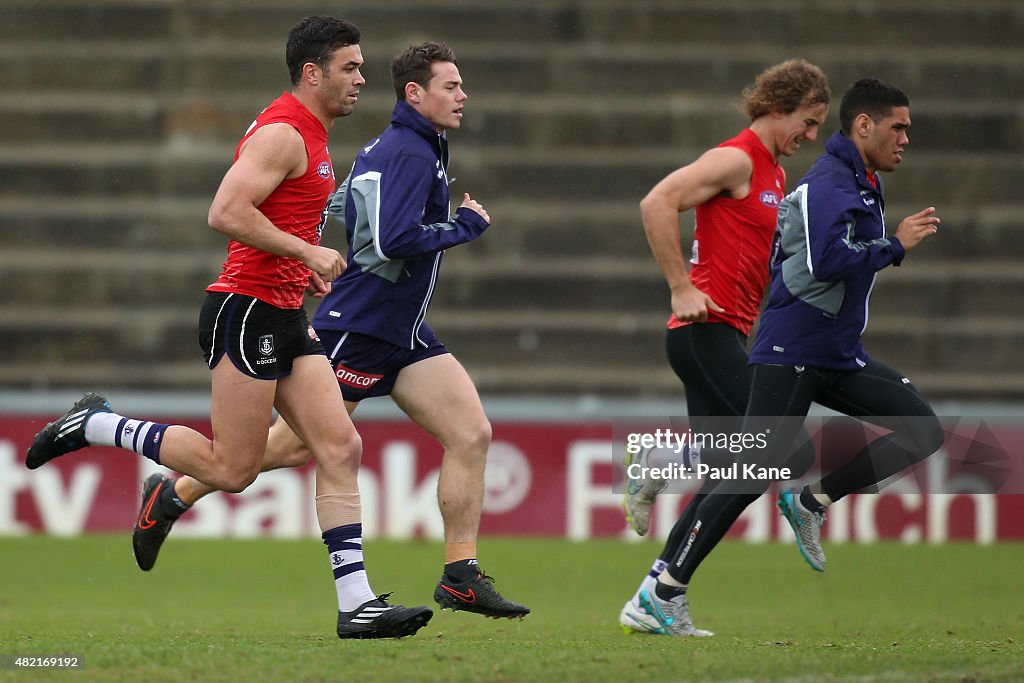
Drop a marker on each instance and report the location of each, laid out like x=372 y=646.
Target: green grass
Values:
x=265 y=611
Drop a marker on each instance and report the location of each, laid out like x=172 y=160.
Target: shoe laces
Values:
x=383 y=597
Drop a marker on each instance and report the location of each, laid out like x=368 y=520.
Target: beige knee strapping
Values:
x=337 y=509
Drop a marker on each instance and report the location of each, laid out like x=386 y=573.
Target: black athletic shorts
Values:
x=261 y=340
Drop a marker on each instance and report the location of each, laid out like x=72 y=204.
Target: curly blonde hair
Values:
x=784 y=88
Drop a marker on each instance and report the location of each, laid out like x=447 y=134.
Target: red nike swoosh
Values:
x=144 y=521
x=468 y=596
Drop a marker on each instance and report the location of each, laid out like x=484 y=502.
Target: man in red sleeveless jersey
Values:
x=261 y=350
x=395 y=205
x=735 y=189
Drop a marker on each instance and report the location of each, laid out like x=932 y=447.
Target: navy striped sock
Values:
x=140 y=436
x=345 y=549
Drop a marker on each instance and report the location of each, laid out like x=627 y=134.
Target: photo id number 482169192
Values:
x=8 y=661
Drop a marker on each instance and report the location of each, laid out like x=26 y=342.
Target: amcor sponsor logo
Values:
x=355 y=378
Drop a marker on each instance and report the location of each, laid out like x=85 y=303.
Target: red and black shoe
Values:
x=153 y=523
x=477 y=595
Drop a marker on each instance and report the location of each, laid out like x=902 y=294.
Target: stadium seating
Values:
x=117 y=120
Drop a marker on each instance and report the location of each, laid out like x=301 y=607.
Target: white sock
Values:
x=353 y=589
x=100 y=428
x=345 y=550
x=111 y=429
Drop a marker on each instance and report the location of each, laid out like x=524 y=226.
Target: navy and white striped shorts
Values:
x=261 y=340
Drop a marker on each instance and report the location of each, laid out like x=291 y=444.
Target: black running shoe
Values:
x=377 y=619
x=477 y=595
x=67 y=433
x=152 y=526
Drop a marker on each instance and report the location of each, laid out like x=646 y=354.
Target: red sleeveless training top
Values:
x=732 y=240
x=295 y=206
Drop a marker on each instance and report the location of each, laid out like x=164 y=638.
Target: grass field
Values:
x=265 y=611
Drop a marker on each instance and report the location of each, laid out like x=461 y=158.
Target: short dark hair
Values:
x=413 y=65
x=872 y=97
x=314 y=39
x=784 y=88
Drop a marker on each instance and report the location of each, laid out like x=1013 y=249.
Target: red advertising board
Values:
x=543 y=479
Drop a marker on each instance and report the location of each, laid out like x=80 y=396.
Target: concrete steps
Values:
x=522 y=230
x=537 y=351
x=126 y=171
x=871 y=22
x=112 y=146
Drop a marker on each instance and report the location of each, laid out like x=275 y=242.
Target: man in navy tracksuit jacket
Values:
x=395 y=206
x=829 y=245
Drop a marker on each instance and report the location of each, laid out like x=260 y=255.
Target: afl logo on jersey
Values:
x=324 y=170
x=769 y=198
